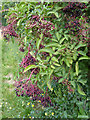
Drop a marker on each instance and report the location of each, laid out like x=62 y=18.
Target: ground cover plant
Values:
x=53 y=40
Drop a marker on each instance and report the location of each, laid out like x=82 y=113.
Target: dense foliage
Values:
x=54 y=38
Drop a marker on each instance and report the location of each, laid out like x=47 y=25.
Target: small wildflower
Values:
x=17 y=52
x=42 y=94
x=28 y=114
x=28 y=103
x=39 y=101
x=52 y=88
x=46 y=114
x=29 y=117
x=42 y=81
x=10 y=108
x=52 y=113
x=32 y=105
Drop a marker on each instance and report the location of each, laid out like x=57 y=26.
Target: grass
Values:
x=12 y=106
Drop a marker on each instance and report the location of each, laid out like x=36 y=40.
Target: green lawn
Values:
x=12 y=106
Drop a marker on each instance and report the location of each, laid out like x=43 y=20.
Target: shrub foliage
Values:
x=54 y=39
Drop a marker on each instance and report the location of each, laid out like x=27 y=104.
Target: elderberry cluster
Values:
x=74 y=8
x=21 y=49
x=8 y=30
x=67 y=83
x=40 y=25
x=31 y=90
x=73 y=25
x=29 y=60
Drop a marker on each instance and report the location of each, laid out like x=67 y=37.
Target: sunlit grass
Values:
x=11 y=104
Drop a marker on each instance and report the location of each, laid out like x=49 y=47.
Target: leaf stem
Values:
x=69 y=71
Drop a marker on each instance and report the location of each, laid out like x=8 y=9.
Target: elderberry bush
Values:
x=53 y=51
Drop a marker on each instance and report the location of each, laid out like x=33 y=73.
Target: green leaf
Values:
x=42 y=66
x=59 y=49
x=86 y=50
x=57 y=52
x=53 y=12
x=60 y=80
x=76 y=67
x=80 y=90
x=54 y=59
x=29 y=67
x=75 y=56
x=67 y=62
x=70 y=61
x=49 y=86
x=54 y=40
x=58 y=74
x=83 y=116
x=84 y=57
x=52 y=67
x=80 y=45
x=66 y=36
x=82 y=81
x=49 y=50
x=56 y=64
x=19 y=21
x=81 y=109
x=57 y=35
x=82 y=53
x=65 y=114
x=79 y=104
x=58 y=8
x=73 y=83
x=50 y=73
x=62 y=47
x=38 y=41
x=61 y=41
x=53 y=48
x=59 y=92
x=25 y=40
x=53 y=44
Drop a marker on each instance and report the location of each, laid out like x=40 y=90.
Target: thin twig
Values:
x=69 y=71
x=59 y=57
x=30 y=76
x=4 y=10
